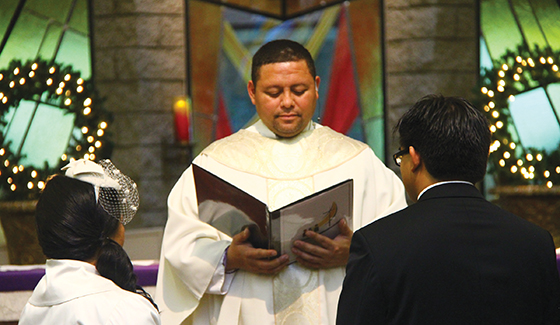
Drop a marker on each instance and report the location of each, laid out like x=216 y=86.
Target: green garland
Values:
x=516 y=72
x=57 y=85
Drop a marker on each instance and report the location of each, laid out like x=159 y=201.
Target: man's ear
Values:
x=415 y=158
x=251 y=91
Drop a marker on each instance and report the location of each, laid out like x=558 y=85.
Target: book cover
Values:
x=230 y=210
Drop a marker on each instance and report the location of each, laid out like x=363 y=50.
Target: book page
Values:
x=319 y=212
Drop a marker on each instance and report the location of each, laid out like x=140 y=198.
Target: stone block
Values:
x=142 y=128
x=112 y=7
x=104 y=65
x=139 y=30
x=406 y=89
x=431 y=54
x=142 y=95
x=150 y=63
x=429 y=22
x=138 y=161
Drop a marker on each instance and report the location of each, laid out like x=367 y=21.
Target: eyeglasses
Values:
x=397 y=157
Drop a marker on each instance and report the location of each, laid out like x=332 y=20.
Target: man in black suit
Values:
x=452 y=257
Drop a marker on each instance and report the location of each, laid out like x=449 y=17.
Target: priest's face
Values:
x=285 y=96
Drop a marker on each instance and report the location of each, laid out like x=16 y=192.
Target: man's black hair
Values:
x=451 y=136
x=277 y=51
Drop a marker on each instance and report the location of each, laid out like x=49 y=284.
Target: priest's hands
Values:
x=330 y=253
x=242 y=255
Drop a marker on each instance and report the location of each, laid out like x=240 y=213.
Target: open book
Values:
x=231 y=210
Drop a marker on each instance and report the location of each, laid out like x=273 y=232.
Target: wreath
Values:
x=514 y=73
x=59 y=86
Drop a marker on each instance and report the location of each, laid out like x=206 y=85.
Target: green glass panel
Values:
x=80 y=18
x=548 y=14
x=48 y=136
x=375 y=135
x=499 y=29
x=74 y=50
x=7 y=8
x=50 y=41
x=528 y=23
x=50 y=9
x=25 y=39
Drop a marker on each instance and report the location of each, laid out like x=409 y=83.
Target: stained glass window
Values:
x=343 y=38
x=520 y=41
x=55 y=30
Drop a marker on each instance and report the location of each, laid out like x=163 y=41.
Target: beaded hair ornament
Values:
x=115 y=192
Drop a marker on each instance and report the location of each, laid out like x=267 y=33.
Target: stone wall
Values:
x=139 y=65
x=431 y=47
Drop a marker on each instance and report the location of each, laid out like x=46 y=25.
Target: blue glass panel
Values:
x=485 y=59
x=18 y=119
x=535 y=120
x=553 y=92
x=48 y=136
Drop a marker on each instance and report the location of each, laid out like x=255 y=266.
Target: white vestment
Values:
x=72 y=292
x=192 y=286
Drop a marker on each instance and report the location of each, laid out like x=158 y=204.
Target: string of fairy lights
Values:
x=517 y=72
x=56 y=85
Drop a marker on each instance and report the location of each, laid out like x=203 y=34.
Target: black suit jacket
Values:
x=451 y=258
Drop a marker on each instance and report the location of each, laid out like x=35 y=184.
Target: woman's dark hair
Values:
x=451 y=136
x=72 y=225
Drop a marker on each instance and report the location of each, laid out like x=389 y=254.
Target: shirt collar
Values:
x=442 y=183
x=263 y=130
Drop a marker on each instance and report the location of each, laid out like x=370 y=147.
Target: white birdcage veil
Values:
x=115 y=192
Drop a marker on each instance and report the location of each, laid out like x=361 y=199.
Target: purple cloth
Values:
x=27 y=279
